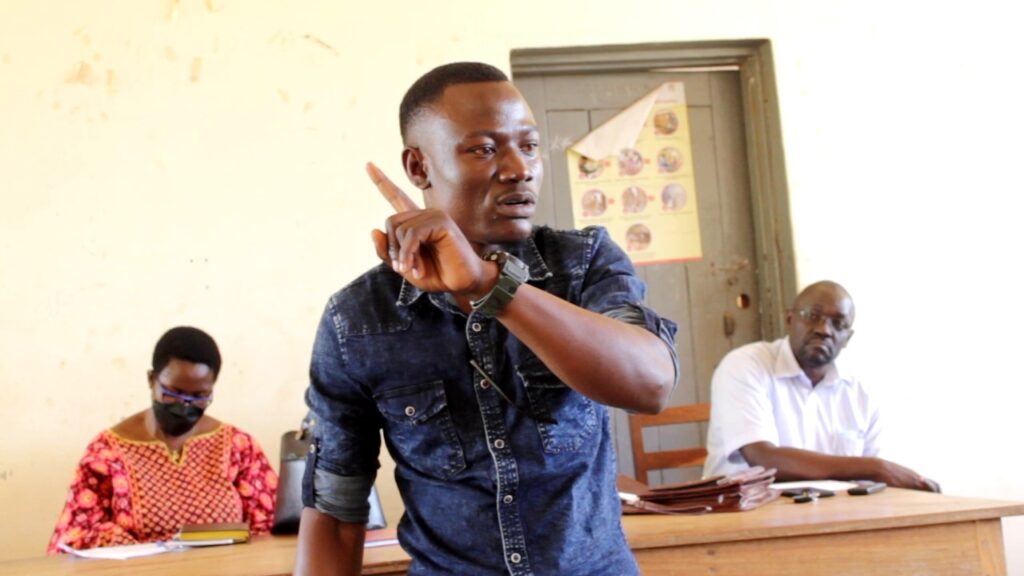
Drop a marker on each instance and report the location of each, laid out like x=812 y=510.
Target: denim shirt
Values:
x=489 y=486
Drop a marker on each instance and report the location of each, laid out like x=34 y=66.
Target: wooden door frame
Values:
x=773 y=236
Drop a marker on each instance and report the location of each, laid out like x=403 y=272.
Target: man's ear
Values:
x=151 y=376
x=848 y=338
x=415 y=167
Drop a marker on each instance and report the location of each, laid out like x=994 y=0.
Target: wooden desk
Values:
x=262 y=556
x=893 y=532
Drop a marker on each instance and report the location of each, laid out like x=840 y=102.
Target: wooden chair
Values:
x=644 y=461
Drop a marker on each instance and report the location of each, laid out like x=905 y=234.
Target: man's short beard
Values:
x=812 y=360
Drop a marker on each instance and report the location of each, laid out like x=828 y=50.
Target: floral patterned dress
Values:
x=128 y=491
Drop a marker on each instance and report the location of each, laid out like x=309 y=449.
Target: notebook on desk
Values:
x=744 y=490
x=218 y=532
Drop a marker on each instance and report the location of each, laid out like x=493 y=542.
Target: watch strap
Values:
x=512 y=272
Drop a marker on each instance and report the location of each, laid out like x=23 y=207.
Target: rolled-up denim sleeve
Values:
x=344 y=461
x=611 y=287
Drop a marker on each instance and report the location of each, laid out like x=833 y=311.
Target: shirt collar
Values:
x=526 y=251
x=786 y=366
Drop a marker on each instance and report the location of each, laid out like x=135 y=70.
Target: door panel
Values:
x=714 y=299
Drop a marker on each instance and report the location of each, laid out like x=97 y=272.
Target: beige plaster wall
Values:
x=199 y=162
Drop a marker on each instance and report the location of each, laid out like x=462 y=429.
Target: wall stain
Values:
x=172 y=10
x=196 y=69
x=321 y=43
x=81 y=74
x=83 y=37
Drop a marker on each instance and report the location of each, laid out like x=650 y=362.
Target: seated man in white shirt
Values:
x=786 y=405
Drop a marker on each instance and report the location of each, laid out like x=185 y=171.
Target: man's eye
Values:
x=483 y=151
x=531 y=148
x=812 y=316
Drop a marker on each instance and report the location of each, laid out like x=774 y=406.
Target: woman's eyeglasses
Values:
x=182 y=398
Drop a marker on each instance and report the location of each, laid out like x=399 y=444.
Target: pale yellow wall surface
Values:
x=200 y=162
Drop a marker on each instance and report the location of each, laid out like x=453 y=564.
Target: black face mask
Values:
x=176 y=418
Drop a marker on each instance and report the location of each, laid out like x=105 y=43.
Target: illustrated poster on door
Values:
x=634 y=176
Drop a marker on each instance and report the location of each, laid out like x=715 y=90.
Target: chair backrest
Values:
x=644 y=461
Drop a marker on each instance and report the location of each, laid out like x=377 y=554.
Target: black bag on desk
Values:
x=294 y=448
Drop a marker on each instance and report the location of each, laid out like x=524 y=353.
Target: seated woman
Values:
x=170 y=464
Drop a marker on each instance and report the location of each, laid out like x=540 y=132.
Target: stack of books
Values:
x=741 y=491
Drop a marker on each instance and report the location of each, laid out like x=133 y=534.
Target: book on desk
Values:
x=380 y=537
x=213 y=534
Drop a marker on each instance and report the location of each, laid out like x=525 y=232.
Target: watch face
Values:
x=514 y=268
x=512 y=273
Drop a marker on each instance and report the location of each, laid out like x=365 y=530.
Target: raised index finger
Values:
x=393 y=194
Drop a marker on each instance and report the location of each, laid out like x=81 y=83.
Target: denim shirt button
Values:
x=484 y=384
x=312 y=448
x=507 y=499
x=476 y=327
x=515 y=557
x=499 y=443
x=410 y=410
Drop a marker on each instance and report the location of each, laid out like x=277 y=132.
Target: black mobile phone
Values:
x=866 y=489
x=796 y=492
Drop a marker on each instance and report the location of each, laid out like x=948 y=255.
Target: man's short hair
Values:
x=186 y=343
x=430 y=86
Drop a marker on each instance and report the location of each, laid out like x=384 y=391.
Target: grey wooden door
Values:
x=713 y=300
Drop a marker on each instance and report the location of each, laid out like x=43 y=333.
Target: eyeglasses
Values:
x=182 y=398
x=812 y=316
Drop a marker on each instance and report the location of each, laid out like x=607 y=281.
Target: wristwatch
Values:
x=511 y=273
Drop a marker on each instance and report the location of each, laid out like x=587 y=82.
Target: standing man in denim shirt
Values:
x=486 y=349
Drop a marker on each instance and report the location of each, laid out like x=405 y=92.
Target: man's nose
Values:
x=824 y=327
x=515 y=166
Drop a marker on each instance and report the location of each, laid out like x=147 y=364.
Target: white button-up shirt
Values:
x=760 y=394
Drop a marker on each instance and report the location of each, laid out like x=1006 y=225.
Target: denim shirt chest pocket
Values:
x=574 y=414
x=420 y=428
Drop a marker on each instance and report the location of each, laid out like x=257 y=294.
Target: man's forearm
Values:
x=796 y=464
x=613 y=362
x=328 y=547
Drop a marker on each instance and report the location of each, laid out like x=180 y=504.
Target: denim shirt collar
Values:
x=526 y=251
